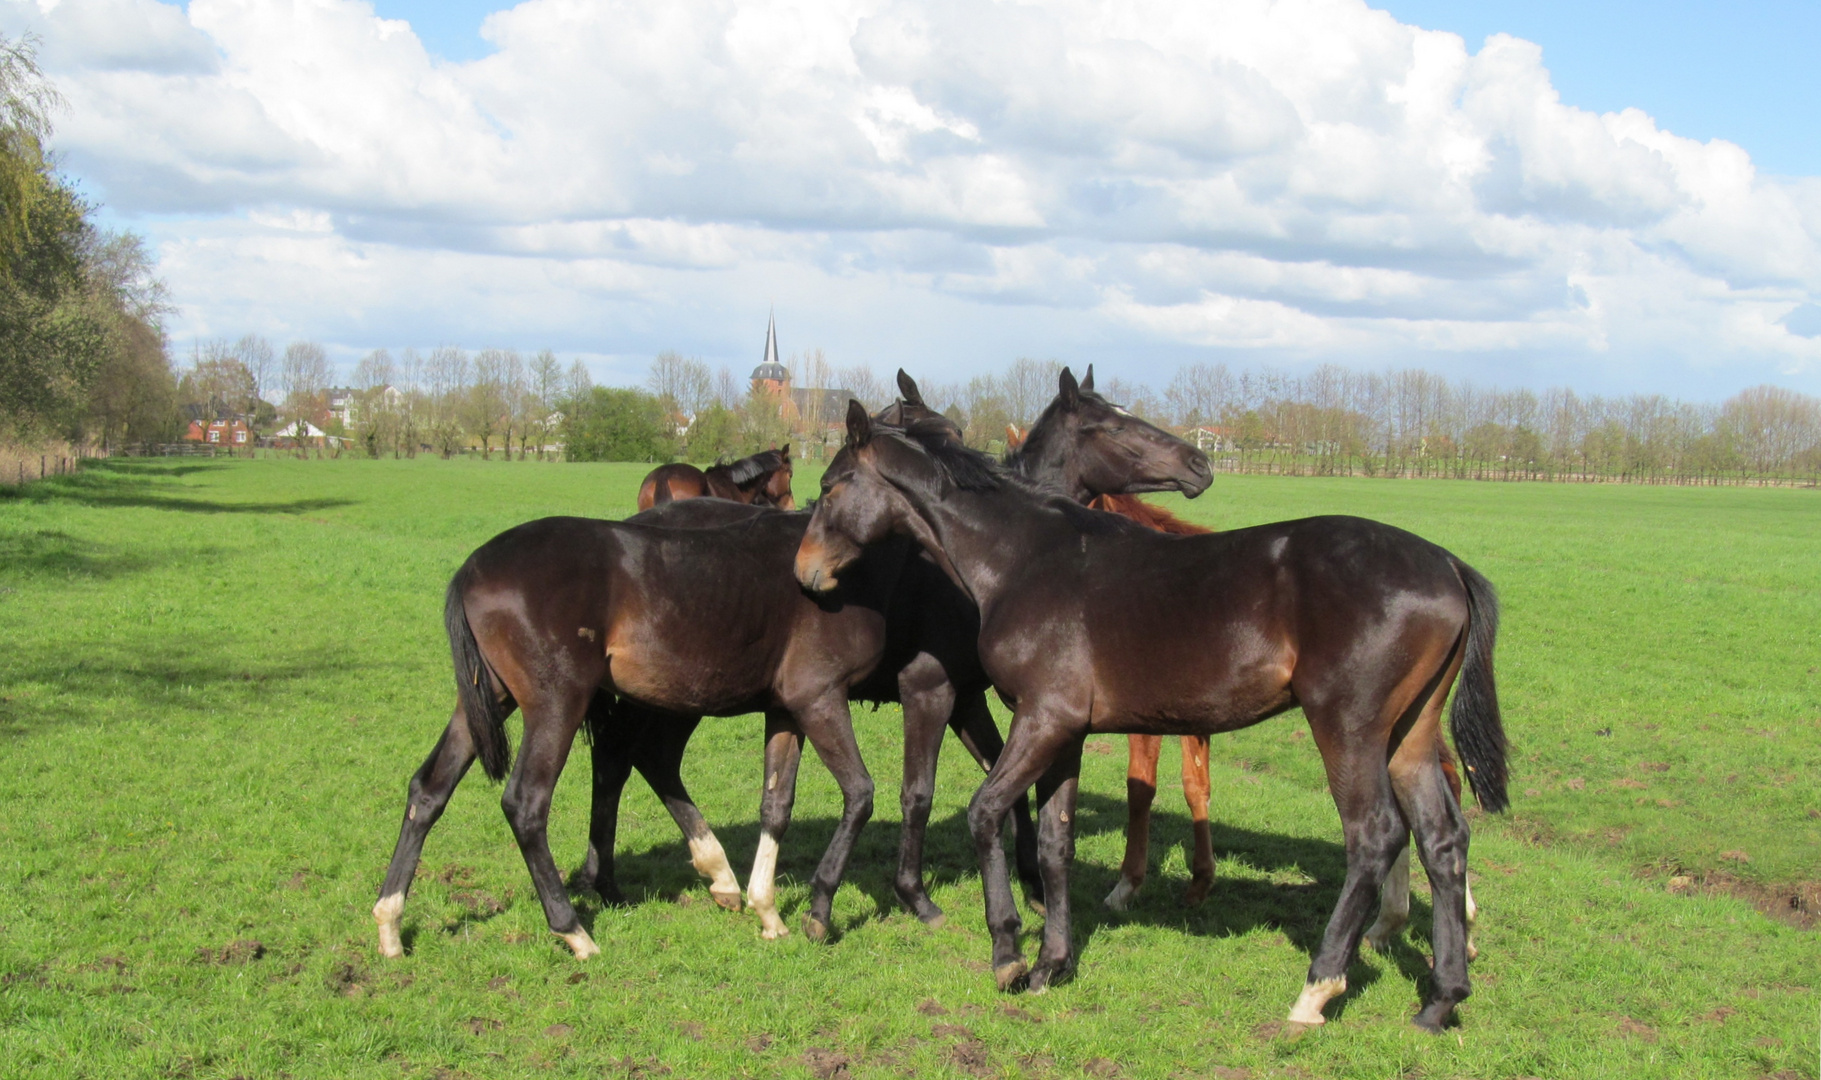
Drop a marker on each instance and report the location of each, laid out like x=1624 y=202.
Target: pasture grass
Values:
x=217 y=677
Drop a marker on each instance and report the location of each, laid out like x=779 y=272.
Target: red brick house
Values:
x=230 y=433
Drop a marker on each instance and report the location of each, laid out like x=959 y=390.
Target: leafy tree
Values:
x=612 y=424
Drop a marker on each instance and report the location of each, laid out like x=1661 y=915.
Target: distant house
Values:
x=344 y=403
x=231 y=433
x=296 y=433
x=1219 y=440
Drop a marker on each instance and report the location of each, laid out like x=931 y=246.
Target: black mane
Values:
x=748 y=469
x=967 y=469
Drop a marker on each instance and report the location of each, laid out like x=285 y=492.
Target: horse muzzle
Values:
x=814 y=571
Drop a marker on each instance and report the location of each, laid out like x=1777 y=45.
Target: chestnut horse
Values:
x=762 y=480
x=1364 y=626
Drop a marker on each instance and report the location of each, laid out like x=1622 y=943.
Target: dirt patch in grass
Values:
x=826 y=1064
x=1795 y=904
x=243 y=951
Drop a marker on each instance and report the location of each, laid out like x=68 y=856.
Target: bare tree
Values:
x=374 y=417
x=487 y=398
x=446 y=380
x=682 y=383
x=256 y=355
x=305 y=375
x=543 y=385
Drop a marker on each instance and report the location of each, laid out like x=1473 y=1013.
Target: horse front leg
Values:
x=929 y=701
x=611 y=763
x=973 y=724
x=1037 y=740
x=658 y=755
x=1142 y=752
x=830 y=730
x=783 y=752
x=1056 y=850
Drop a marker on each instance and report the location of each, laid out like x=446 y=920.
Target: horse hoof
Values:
x=1198 y=891
x=1380 y=942
x=1046 y=975
x=1434 y=1017
x=387 y=914
x=728 y=900
x=1473 y=953
x=1009 y=975
x=815 y=929
x=1120 y=899
x=581 y=944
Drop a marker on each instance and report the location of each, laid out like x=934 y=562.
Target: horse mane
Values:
x=967 y=469
x=748 y=469
x=1151 y=517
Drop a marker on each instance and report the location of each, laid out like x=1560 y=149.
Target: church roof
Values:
x=772 y=370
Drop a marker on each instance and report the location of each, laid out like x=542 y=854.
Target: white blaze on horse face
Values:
x=580 y=943
x=387 y=914
x=1393 y=904
x=710 y=861
x=1315 y=995
x=761 y=892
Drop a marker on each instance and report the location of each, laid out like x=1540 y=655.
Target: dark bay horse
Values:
x=930 y=661
x=559 y=616
x=762 y=479
x=1364 y=626
x=1143 y=751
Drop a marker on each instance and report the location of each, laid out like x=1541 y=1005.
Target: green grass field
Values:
x=216 y=679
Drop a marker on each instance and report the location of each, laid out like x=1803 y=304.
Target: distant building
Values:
x=232 y=433
x=820 y=406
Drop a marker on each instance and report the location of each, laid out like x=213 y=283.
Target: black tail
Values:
x=1479 y=734
x=474 y=684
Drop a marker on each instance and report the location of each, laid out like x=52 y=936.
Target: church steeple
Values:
x=771 y=375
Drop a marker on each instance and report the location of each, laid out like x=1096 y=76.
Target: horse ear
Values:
x=907 y=389
x=1087 y=381
x=785 y=453
x=1068 y=392
x=1013 y=437
x=859 y=425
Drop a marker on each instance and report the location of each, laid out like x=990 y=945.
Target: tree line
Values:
x=82 y=345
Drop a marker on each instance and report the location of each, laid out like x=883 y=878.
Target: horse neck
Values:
x=987 y=535
x=1045 y=460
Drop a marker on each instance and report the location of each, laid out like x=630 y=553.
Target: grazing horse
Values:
x=1364 y=626
x=931 y=659
x=555 y=615
x=762 y=480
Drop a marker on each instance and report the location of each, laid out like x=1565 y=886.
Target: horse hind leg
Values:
x=429 y=793
x=550 y=727
x=1452 y=773
x=1142 y=752
x=1195 y=788
x=973 y=724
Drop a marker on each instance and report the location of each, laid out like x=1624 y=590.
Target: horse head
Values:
x=1088 y=446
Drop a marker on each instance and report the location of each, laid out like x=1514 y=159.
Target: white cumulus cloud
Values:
x=939 y=184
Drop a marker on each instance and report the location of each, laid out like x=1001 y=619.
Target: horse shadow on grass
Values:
x=130 y=485
x=1292 y=888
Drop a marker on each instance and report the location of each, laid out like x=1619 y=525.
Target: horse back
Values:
x=672 y=482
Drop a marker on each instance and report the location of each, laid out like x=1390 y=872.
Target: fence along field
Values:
x=219 y=674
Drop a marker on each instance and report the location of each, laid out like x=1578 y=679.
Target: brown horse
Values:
x=1143 y=751
x=1364 y=626
x=560 y=616
x=931 y=659
x=762 y=480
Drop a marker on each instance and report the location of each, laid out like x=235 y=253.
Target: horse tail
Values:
x=1479 y=734
x=474 y=682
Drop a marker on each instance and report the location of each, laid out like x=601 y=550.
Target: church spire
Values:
x=771 y=338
